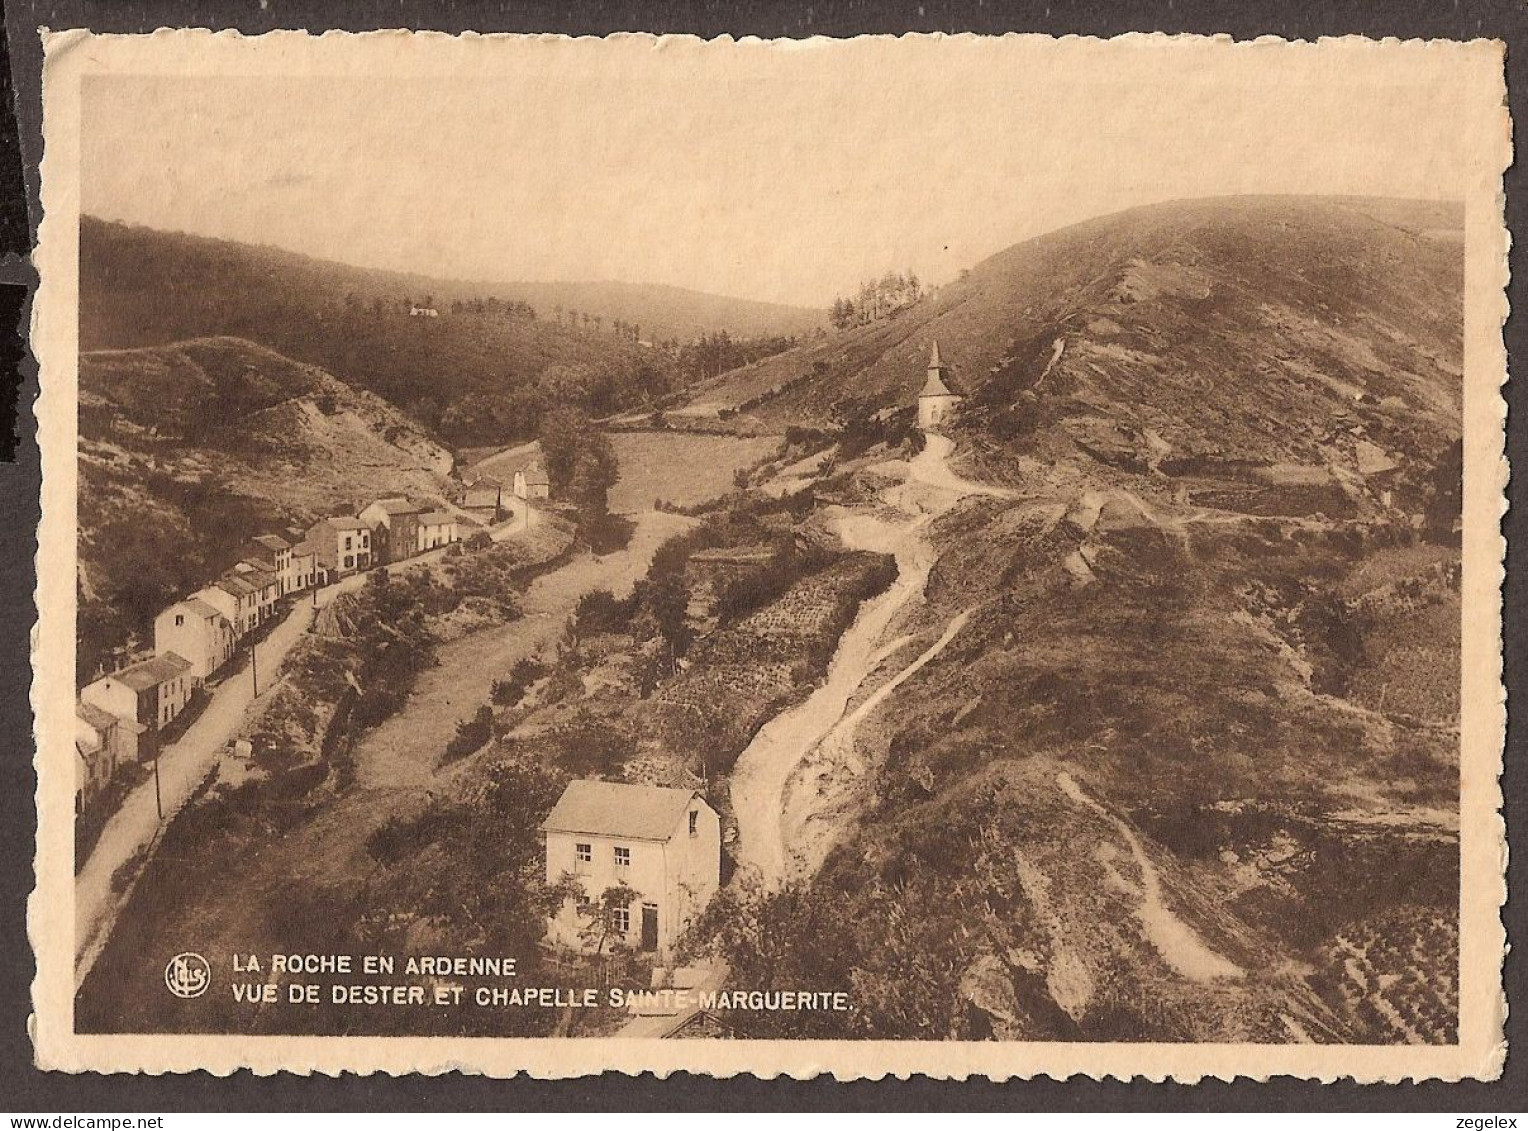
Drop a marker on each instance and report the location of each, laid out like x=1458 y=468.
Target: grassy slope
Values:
x=186 y=451
x=1226 y=325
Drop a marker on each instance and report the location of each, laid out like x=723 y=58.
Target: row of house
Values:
x=119 y=717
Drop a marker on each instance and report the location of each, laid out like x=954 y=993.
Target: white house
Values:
x=150 y=693
x=236 y=599
x=102 y=743
x=304 y=567
x=664 y=844
x=436 y=528
x=196 y=630
x=936 y=401
x=532 y=483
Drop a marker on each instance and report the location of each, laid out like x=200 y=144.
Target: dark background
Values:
x=26 y=1090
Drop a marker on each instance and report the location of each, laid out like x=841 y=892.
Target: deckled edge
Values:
x=59 y=44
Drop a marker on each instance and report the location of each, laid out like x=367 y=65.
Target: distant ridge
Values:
x=660 y=310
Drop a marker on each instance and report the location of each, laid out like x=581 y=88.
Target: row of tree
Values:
x=876 y=299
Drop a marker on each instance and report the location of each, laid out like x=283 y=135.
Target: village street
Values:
x=130 y=833
x=397 y=764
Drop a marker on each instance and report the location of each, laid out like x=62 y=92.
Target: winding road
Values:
x=820 y=731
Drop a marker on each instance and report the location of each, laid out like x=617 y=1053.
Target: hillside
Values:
x=482 y=371
x=1227 y=327
x=188 y=450
x=1166 y=745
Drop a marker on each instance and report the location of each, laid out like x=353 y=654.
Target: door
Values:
x=649 y=926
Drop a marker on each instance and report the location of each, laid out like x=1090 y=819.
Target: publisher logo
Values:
x=188 y=975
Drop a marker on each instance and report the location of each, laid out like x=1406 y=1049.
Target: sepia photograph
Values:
x=642 y=553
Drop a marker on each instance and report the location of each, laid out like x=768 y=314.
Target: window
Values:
x=349 y=562
x=694 y=822
x=180 y=619
x=620 y=920
x=622 y=857
x=583 y=856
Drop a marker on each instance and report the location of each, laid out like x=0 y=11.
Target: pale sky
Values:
x=785 y=174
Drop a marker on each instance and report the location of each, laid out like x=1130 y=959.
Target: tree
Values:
x=601 y=917
x=580 y=462
x=666 y=601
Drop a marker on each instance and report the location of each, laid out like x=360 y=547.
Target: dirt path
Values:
x=817 y=736
x=403 y=751
x=1179 y=944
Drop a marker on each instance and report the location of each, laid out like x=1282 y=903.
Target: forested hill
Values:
x=481 y=371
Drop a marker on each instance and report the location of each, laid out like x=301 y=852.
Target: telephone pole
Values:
x=254 y=666
x=158 y=798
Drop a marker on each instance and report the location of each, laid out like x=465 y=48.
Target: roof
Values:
x=483 y=480
x=90 y=713
x=436 y=518
x=346 y=522
x=535 y=473
x=607 y=808
x=935 y=385
x=273 y=542
x=398 y=505
x=262 y=578
x=488 y=495
x=200 y=608
x=151 y=673
x=233 y=583
x=302 y=550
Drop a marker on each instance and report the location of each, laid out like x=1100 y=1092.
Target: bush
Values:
x=598 y=611
x=471 y=735
x=508 y=692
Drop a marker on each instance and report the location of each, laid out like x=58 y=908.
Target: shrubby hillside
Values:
x=186 y=451
x=1189 y=768
x=1239 y=329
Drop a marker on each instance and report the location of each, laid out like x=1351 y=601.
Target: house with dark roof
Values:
x=660 y=846
x=394 y=524
x=150 y=693
x=198 y=630
x=267 y=588
x=273 y=553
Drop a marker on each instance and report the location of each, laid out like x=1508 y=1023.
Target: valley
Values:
x=1119 y=704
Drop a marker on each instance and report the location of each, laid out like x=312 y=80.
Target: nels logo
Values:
x=188 y=975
